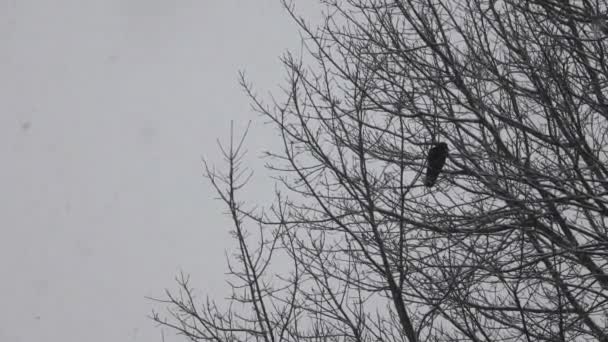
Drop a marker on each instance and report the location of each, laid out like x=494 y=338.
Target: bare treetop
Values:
x=510 y=240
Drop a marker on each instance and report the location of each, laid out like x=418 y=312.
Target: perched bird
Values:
x=434 y=163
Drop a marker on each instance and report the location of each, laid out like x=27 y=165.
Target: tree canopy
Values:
x=511 y=242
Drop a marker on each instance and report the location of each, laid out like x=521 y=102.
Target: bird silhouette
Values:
x=434 y=163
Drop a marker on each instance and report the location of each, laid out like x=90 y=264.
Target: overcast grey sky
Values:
x=106 y=108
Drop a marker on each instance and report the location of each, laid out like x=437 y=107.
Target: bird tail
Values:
x=429 y=181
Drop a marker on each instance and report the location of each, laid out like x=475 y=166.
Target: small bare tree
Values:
x=511 y=241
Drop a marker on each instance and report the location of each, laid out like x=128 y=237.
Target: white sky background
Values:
x=106 y=108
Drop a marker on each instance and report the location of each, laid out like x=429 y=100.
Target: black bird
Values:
x=434 y=163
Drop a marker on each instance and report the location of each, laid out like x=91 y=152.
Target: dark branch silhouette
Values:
x=352 y=250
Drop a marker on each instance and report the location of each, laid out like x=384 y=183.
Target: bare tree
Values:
x=510 y=243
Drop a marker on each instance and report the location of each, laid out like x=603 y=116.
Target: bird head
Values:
x=442 y=146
